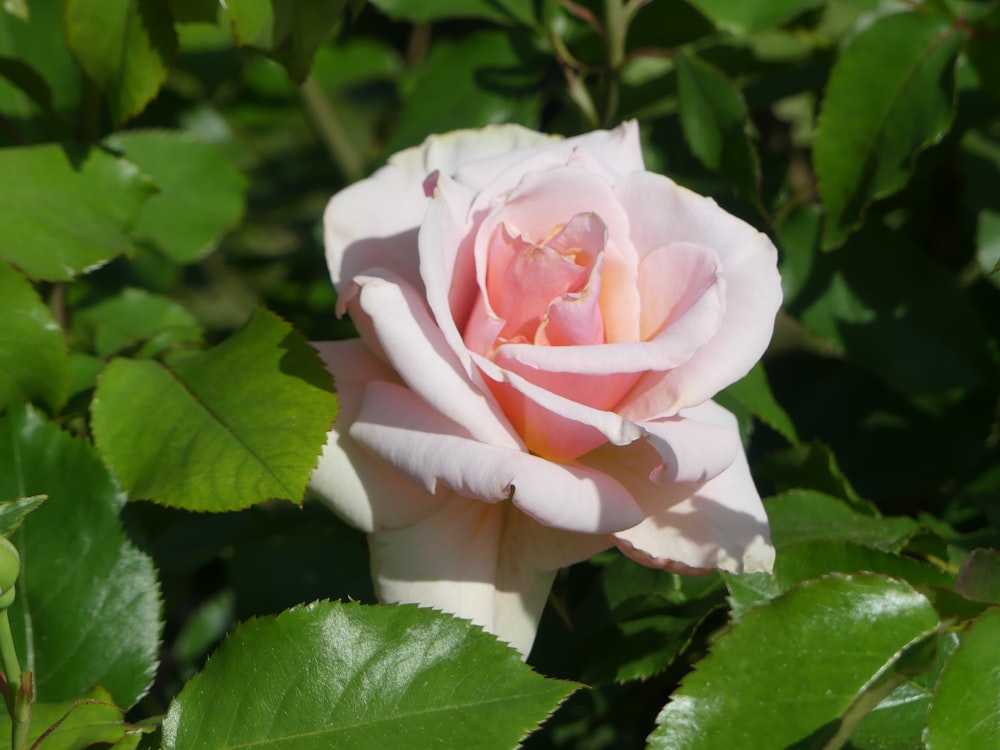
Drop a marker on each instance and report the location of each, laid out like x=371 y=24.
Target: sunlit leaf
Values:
x=62 y=212
x=289 y=31
x=353 y=676
x=34 y=361
x=126 y=47
x=218 y=430
x=200 y=193
x=800 y=562
x=826 y=641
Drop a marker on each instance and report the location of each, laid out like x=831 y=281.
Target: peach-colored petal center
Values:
x=527 y=278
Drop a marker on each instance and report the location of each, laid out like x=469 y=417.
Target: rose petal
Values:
x=358 y=486
x=698 y=444
x=690 y=527
x=414 y=346
x=608 y=153
x=662 y=212
x=486 y=563
x=544 y=202
x=418 y=441
x=550 y=424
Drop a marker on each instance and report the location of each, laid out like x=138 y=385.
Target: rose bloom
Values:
x=543 y=324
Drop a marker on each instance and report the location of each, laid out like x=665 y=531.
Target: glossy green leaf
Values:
x=479 y=80
x=743 y=17
x=979 y=576
x=835 y=635
x=963 y=712
x=200 y=193
x=222 y=429
x=800 y=562
x=754 y=392
x=288 y=31
x=714 y=119
x=351 y=676
x=89 y=720
x=135 y=320
x=890 y=95
x=14 y=510
x=87 y=610
x=34 y=360
x=35 y=49
x=805 y=515
x=426 y=11
x=126 y=46
x=64 y=213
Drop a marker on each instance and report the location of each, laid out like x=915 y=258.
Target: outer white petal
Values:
x=357 y=485
x=418 y=441
x=374 y=222
x=415 y=347
x=700 y=443
x=487 y=563
x=693 y=526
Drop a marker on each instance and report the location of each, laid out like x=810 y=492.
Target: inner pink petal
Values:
x=526 y=274
x=671 y=279
x=575 y=318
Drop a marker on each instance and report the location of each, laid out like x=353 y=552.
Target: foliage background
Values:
x=163 y=168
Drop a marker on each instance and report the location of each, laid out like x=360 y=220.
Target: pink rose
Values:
x=543 y=324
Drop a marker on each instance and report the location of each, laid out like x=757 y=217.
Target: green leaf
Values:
x=196 y=183
x=979 y=576
x=351 y=676
x=754 y=392
x=64 y=213
x=890 y=95
x=897 y=722
x=714 y=119
x=744 y=17
x=87 y=610
x=36 y=49
x=34 y=359
x=812 y=466
x=288 y=31
x=800 y=562
x=84 y=722
x=963 y=712
x=427 y=11
x=28 y=80
x=800 y=516
x=837 y=635
x=222 y=429
x=479 y=80
x=13 y=512
x=135 y=319
x=126 y=47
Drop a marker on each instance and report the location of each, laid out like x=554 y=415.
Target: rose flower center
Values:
x=534 y=284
